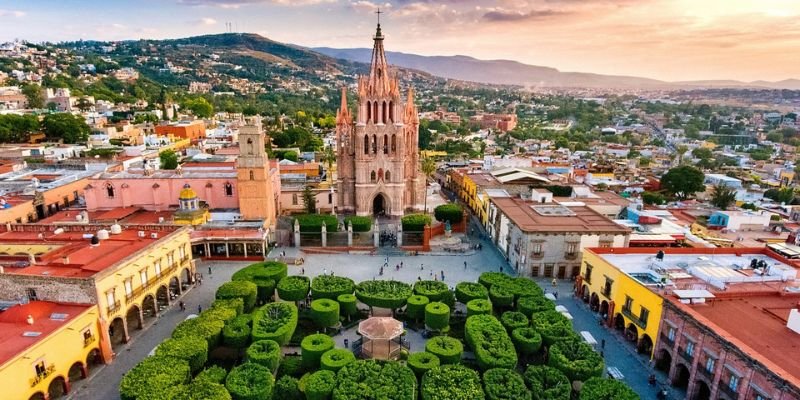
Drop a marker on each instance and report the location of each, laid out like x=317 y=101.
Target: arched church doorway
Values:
x=379 y=206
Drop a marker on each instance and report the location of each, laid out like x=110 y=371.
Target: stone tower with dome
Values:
x=377 y=149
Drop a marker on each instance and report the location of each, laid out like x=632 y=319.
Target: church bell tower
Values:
x=256 y=194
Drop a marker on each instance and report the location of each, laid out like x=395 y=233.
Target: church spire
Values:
x=379 y=71
x=343 y=114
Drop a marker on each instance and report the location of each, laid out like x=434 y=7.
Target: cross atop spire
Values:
x=378 y=32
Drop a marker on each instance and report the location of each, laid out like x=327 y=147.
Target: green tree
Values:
x=309 y=200
x=200 y=107
x=329 y=158
x=169 y=159
x=33 y=93
x=84 y=104
x=702 y=153
x=66 y=127
x=683 y=181
x=681 y=150
x=428 y=167
x=722 y=196
x=653 y=198
x=784 y=195
x=17 y=128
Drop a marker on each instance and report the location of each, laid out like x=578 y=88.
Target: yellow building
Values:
x=191 y=211
x=46 y=348
x=617 y=283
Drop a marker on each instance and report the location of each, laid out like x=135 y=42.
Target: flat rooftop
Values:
x=531 y=216
x=16 y=334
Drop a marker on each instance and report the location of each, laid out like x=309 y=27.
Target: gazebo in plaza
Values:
x=381 y=338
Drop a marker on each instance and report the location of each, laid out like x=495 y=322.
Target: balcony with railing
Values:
x=685 y=355
x=634 y=318
x=41 y=376
x=665 y=338
x=112 y=308
x=726 y=391
x=87 y=341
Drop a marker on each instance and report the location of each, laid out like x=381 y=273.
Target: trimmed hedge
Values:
x=422 y=362
x=530 y=305
x=437 y=316
x=452 y=382
x=203 y=326
x=236 y=305
x=275 y=321
x=266 y=353
x=336 y=359
x=213 y=374
x=325 y=313
x=236 y=332
x=415 y=307
x=291 y=365
x=606 y=389
x=433 y=290
x=449 y=212
x=415 y=222
x=576 y=359
x=447 y=349
x=331 y=286
x=348 y=304
x=153 y=377
x=319 y=385
x=547 y=383
x=250 y=381
x=383 y=294
x=501 y=296
x=265 y=275
x=526 y=340
x=553 y=326
x=519 y=287
x=466 y=291
x=490 y=342
x=370 y=379
x=245 y=290
x=313 y=347
x=294 y=288
x=312 y=223
x=479 y=307
x=504 y=384
x=223 y=310
x=193 y=349
x=200 y=390
x=513 y=320
x=360 y=224
x=286 y=388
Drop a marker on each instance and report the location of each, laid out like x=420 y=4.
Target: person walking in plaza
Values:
x=209 y=271
x=555 y=282
x=465 y=265
x=182 y=305
x=199 y=309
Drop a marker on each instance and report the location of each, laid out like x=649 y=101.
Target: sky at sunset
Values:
x=662 y=39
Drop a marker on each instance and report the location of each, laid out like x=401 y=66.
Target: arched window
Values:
x=374 y=144
x=394 y=143
x=250 y=146
x=385 y=144
x=383 y=113
x=294 y=199
x=252 y=176
x=228 y=189
x=391 y=112
x=372 y=176
x=110 y=190
x=366 y=144
x=375 y=112
x=369 y=111
x=387 y=177
x=380 y=174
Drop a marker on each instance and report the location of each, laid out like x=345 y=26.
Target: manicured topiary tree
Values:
x=415 y=222
x=292 y=366
x=530 y=305
x=213 y=374
x=553 y=326
x=383 y=294
x=275 y=321
x=490 y=342
x=313 y=347
x=437 y=316
x=266 y=353
x=513 y=319
x=325 y=313
x=606 y=389
x=447 y=349
x=489 y=279
x=526 y=340
x=501 y=297
x=286 y=388
x=200 y=390
x=504 y=384
x=449 y=212
x=576 y=359
x=369 y=379
x=415 y=307
x=466 y=291
x=236 y=332
x=320 y=385
x=479 y=307
x=245 y=290
x=547 y=383
x=234 y=304
x=335 y=359
x=193 y=349
x=207 y=328
x=250 y=381
x=331 y=286
x=360 y=224
x=452 y=382
x=265 y=275
x=312 y=223
x=433 y=290
x=348 y=305
x=422 y=362
x=294 y=288
x=154 y=376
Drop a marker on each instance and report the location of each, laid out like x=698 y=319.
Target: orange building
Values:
x=191 y=130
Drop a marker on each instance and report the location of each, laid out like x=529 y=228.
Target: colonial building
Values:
x=378 y=152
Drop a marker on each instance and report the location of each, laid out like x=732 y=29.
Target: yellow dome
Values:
x=187 y=193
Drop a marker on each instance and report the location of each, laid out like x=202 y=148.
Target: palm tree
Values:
x=329 y=157
x=681 y=150
x=428 y=167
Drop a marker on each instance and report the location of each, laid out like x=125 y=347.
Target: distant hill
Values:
x=506 y=72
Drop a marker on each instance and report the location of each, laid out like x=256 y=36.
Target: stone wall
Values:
x=49 y=288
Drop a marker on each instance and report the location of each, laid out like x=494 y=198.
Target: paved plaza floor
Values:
x=103 y=384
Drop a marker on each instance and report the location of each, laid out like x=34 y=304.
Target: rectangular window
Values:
x=572 y=249
x=548 y=269
x=710 y=362
x=158 y=268
x=628 y=303
x=170 y=258
x=606 y=243
x=143 y=276
x=537 y=250
x=671 y=334
x=607 y=287
x=294 y=199
x=182 y=252
x=128 y=287
x=588 y=276
x=330 y=198
x=40 y=368
x=689 y=349
x=110 y=299
x=643 y=314
x=31 y=292
x=733 y=383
